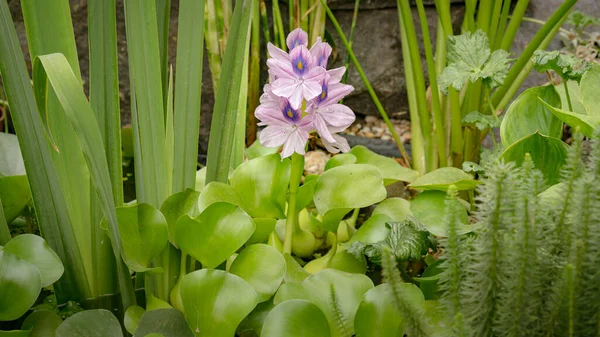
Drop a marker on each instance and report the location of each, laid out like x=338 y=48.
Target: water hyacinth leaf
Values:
x=262 y=185
x=20 y=284
x=15 y=195
x=42 y=323
x=263 y=267
x=213 y=236
x=178 y=204
x=144 y=234
x=294 y=272
x=429 y=208
x=216 y=302
x=391 y=170
x=264 y=227
x=590 y=84
x=397 y=209
x=373 y=230
x=217 y=192
x=252 y=325
x=442 y=178
x=256 y=150
x=200 y=179
x=90 y=323
x=344 y=188
x=306 y=192
x=527 y=114
x=15 y=333
x=377 y=315
x=339 y=160
x=167 y=322
x=296 y=318
x=132 y=318
x=35 y=250
x=428 y=281
x=11 y=159
x=350 y=263
x=548 y=154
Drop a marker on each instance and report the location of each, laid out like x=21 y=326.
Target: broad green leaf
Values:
x=574 y=94
x=548 y=154
x=253 y=323
x=200 y=179
x=567 y=66
x=344 y=188
x=397 y=209
x=15 y=195
x=527 y=114
x=306 y=192
x=216 y=302
x=11 y=159
x=586 y=124
x=429 y=208
x=217 y=192
x=350 y=263
x=90 y=323
x=216 y=234
x=296 y=318
x=428 y=281
x=262 y=185
x=336 y=293
x=442 y=178
x=590 y=84
x=178 y=204
x=35 y=250
x=263 y=267
x=132 y=318
x=373 y=230
x=167 y=322
x=42 y=323
x=294 y=272
x=391 y=170
x=264 y=227
x=339 y=160
x=20 y=284
x=377 y=315
x=256 y=150
x=144 y=234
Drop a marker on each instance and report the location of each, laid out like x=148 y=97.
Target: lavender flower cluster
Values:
x=302 y=97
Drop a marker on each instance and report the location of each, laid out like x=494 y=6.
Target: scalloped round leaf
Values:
x=167 y=322
x=15 y=195
x=216 y=302
x=373 y=230
x=263 y=267
x=339 y=160
x=90 y=323
x=442 y=178
x=377 y=315
x=429 y=208
x=144 y=234
x=217 y=192
x=213 y=236
x=397 y=209
x=264 y=227
x=586 y=124
x=527 y=114
x=262 y=185
x=20 y=285
x=548 y=154
x=391 y=170
x=344 y=188
x=296 y=318
x=590 y=86
x=42 y=323
x=178 y=204
x=36 y=251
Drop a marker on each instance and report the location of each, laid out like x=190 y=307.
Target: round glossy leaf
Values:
x=527 y=114
x=15 y=195
x=263 y=267
x=36 y=251
x=11 y=159
x=442 y=178
x=253 y=323
x=349 y=263
x=264 y=227
x=42 y=323
x=262 y=185
x=132 y=318
x=391 y=170
x=373 y=230
x=178 y=204
x=144 y=234
x=256 y=150
x=216 y=302
x=217 y=233
x=294 y=272
x=429 y=208
x=20 y=284
x=396 y=208
x=167 y=322
x=296 y=318
x=339 y=160
x=217 y=192
x=90 y=323
x=377 y=315
x=344 y=188
x=548 y=154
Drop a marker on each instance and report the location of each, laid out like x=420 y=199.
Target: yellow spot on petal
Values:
x=290 y=113
x=299 y=65
x=323 y=94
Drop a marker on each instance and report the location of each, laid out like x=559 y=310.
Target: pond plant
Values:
x=250 y=245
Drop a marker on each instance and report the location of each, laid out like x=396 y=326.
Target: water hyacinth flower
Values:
x=303 y=97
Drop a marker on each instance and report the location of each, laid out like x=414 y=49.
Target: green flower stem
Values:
x=495 y=20
x=469 y=22
x=566 y=85
x=502 y=25
x=279 y=33
x=366 y=82
x=351 y=39
x=484 y=14
x=292 y=213
x=513 y=25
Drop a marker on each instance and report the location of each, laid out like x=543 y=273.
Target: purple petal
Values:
x=321 y=51
x=270 y=115
x=280 y=68
x=315 y=74
x=296 y=97
x=277 y=53
x=296 y=38
x=301 y=60
x=335 y=92
x=296 y=142
x=337 y=115
x=311 y=89
x=321 y=127
x=284 y=87
x=336 y=75
x=274 y=136
x=340 y=144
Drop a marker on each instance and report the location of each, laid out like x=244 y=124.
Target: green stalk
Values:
x=484 y=14
x=254 y=75
x=513 y=26
x=291 y=222
x=366 y=82
x=469 y=21
x=566 y=85
x=278 y=25
x=163 y=14
x=4 y=230
x=291 y=15
x=351 y=41
x=501 y=31
x=405 y=19
x=304 y=21
x=494 y=22
x=440 y=130
x=211 y=35
x=265 y=21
